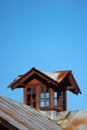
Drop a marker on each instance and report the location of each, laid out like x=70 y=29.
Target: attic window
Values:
x=44 y=97
x=55 y=98
x=31 y=96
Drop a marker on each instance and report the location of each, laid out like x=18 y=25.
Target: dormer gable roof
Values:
x=54 y=78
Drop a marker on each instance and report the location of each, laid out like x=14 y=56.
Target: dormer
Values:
x=46 y=91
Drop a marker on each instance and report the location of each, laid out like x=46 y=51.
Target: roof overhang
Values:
x=57 y=79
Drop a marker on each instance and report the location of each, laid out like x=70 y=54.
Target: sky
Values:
x=50 y=35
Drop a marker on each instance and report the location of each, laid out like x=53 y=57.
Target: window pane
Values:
x=42 y=89
x=41 y=104
x=42 y=100
x=55 y=102
x=28 y=98
x=33 y=89
x=55 y=94
x=29 y=90
x=47 y=95
x=47 y=89
x=42 y=95
x=47 y=103
x=34 y=97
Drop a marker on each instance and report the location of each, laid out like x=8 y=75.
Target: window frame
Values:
x=55 y=98
x=31 y=96
x=45 y=99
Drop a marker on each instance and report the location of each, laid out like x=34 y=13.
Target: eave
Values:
x=56 y=79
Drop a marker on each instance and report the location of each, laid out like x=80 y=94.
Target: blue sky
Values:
x=50 y=35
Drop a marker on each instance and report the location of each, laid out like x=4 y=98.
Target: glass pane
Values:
x=34 y=97
x=47 y=89
x=42 y=95
x=47 y=95
x=42 y=100
x=33 y=89
x=47 y=103
x=55 y=94
x=42 y=89
x=55 y=102
x=29 y=90
x=28 y=98
x=41 y=104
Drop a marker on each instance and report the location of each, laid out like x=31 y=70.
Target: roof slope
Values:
x=24 y=117
x=54 y=78
x=73 y=120
x=58 y=76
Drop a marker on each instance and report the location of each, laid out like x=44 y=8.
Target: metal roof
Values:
x=73 y=120
x=57 y=76
x=24 y=117
x=54 y=78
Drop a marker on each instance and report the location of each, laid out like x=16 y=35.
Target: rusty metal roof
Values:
x=52 y=77
x=58 y=76
x=24 y=117
x=73 y=120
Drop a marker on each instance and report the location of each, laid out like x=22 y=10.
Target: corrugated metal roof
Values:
x=57 y=76
x=54 y=78
x=74 y=120
x=24 y=117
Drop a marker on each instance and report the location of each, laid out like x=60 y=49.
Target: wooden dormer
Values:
x=46 y=91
